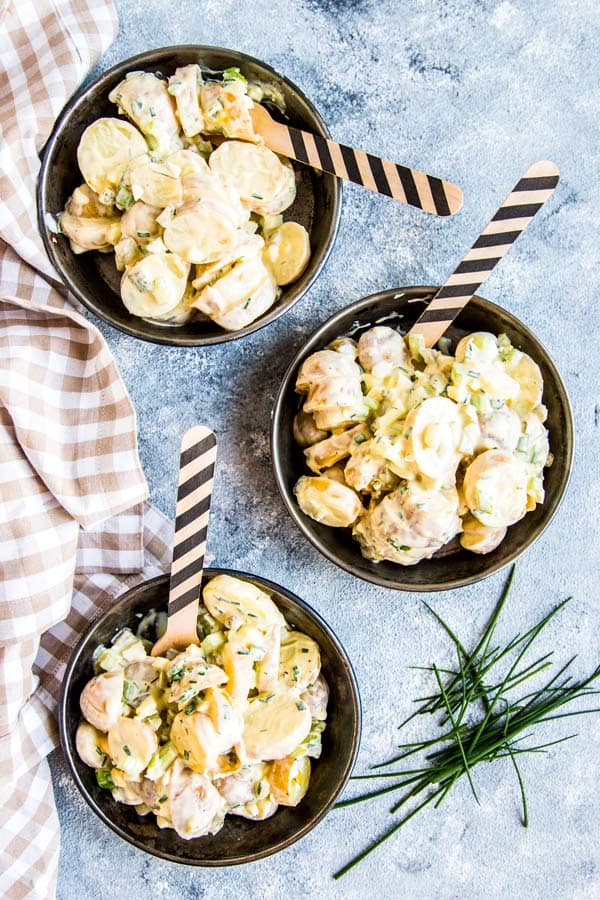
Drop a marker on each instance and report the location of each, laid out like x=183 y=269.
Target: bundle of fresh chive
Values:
x=481 y=721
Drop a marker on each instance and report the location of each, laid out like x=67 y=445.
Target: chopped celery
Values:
x=522 y=444
x=161 y=761
x=206 y=623
x=311 y=745
x=130 y=692
x=105 y=779
x=125 y=648
x=108 y=661
x=124 y=198
x=233 y=74
x=416 y=345
x=270 y=223
x=484 y=502
x=255 y=92
x=212 y=642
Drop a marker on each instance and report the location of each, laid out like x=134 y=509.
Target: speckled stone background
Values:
x=473 y=91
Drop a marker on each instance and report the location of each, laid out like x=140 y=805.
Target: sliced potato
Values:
x=316 y=697
x=499 y=430
x=235 y=603
x=185 y=86
x=287 y=252
x=239 y=788
x=237 y=287
x=156 y=183
x=326 y=364
x=284 y=198
x=306 y=432
x=289 y=779
x=139 y=222
x=495 y=488
x=365 y=470
x=194 y=678
x=267 y=668
x=273 y=728
x=195 y=805
x=239 y=666
x=209 y=188
x=200 y=233
x=299 y=661
x=155 y=284
x=257 y=810
x=127 y=253
x=409 y=524
x=189 y=162
x=100 y=700
x=433 y=432
x=225 y=716
x=327 y=501
x=382 y=344
x=145 y=100
x=255 y=172
x=131 y=744
x=527 y=374
x=197 y=741
x=126 y=792
x=481 y=347
x=209 y=273
x=91 y=745
x=480 y=538
x=262 y=299
x=326 y=453
x=85 y=233
x=226 y=108
x=85 y=203
x=105 y=150
x=182 y=313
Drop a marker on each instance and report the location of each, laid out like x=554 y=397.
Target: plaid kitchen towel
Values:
x=74 y=528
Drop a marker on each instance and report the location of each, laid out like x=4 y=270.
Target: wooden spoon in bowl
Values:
x=196 y=475
x=431 y=194
x=514 y=215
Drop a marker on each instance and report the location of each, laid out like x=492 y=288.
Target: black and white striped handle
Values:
x=526 y=198
x=196 y=476
x=426 y=192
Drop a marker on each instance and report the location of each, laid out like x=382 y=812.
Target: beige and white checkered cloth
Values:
x=74 y=528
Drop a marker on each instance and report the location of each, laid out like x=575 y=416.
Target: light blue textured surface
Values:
x=475 y=92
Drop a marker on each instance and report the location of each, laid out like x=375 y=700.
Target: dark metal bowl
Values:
x=92 y=276
x=445 y=570
x=240 y=840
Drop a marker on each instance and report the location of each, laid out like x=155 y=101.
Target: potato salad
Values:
x=195 y=226
x=412 y=448
x=226 y=726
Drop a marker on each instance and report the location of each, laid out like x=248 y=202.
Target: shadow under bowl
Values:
x=240 y=840
x=92 y=277
x=452 y=567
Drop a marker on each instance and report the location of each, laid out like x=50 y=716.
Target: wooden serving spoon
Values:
x=513 y=216
x=196 y=475
x=442 y=198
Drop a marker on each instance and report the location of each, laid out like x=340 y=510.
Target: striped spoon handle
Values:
x=196 y=476
x=426 y=192
x=526 y=198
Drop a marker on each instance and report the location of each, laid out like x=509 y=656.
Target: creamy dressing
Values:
x=447 y=445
